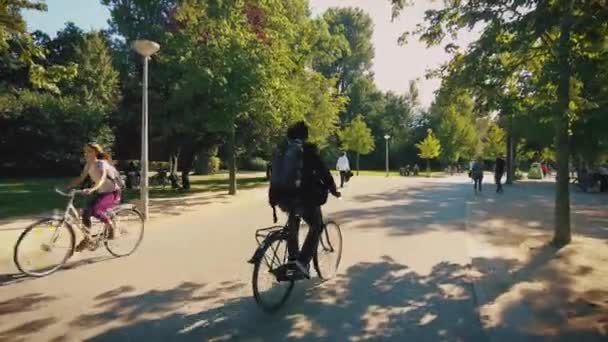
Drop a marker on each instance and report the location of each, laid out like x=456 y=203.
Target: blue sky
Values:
x=394 y=65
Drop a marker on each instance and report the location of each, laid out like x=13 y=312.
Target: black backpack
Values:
x=286 y=176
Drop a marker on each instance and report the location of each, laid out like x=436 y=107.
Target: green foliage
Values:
x=356 y=28
x=357 y=137
x=48 y=132
x=257 y=164
x=11 y=20
x=457 y=131
x=430 y=147
x=96 y=80
x=494 y=142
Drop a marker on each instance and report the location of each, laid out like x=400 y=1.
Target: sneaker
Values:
x=292 y=271
x=296 y=270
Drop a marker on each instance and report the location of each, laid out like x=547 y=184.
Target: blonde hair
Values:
x=99 y=152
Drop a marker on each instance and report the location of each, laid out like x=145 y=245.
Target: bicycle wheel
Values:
x=44 y=247
x=329 y=251
x=128 y=232
x=269 y=293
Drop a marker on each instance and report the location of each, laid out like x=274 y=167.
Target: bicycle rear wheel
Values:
x=269 y=293
x=128 y=232
x=44 y=247
x=329 y=251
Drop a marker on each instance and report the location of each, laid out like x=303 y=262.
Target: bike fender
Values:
x=257 y=255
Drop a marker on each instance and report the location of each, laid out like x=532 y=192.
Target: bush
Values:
x=535 y=171
x=519 y=175
x=159 y=165
x=213 y=165
x=257 y=164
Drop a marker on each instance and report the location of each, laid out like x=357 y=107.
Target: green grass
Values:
x=36 y=195
x=434 y=174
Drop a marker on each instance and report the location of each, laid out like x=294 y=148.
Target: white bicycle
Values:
x=45 y=246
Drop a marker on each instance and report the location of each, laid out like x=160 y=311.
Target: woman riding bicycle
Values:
x=108 y=191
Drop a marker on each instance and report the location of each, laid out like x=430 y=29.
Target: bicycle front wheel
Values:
x=44 y=247
x=128 y=232
x=269 y=293
x=329 y=251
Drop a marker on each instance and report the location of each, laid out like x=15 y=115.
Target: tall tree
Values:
x=357 y=137
x=456 y=131
x=356 y=26
x=430 y=148
x=96 y=80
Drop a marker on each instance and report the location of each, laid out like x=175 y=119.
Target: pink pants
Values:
x=100 y=206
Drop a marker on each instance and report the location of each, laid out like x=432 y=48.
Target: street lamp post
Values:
x=146 y=49
x=386 y=138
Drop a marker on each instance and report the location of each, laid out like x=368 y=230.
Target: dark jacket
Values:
x=500 y=166
x=317 y=181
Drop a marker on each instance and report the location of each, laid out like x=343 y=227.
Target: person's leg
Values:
x=500 y=182
x=103 y=204
x=293 y=244
x=87 y=213
x=342 y=177
x=497 y=181
x=314 y=217
x=480 y=183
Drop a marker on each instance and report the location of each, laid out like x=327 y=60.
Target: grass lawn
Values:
x=395 y=173
x=36 y=195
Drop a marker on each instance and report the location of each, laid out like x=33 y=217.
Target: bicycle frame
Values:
x=71 y=215
x=266 y=235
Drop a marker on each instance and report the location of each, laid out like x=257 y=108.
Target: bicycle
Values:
x=34 y=243
x=274 y=240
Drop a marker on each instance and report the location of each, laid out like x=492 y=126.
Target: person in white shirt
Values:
x=343 y=166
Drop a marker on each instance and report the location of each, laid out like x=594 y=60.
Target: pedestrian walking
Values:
x=343 y=166
x=499 y=170
x=477 y=174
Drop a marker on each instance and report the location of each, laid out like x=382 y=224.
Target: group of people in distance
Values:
x=477 y=169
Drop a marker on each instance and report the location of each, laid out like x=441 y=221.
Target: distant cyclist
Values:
x=299 y=185
x=107 y=186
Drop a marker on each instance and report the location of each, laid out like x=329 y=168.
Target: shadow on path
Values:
x=381 y=300
x=16 y=278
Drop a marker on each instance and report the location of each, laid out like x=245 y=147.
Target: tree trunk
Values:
x=510 y=158
x=428 y=168
x=357 y=164
x=562 y=233
x=186 y=161
x=232 y=162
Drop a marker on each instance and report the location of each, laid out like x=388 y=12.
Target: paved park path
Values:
x=421 y=262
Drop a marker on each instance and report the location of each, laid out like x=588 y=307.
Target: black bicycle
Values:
x=270 y=292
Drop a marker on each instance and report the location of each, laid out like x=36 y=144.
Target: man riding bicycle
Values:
x=298 y=164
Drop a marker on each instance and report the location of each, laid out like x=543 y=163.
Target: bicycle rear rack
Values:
x=263 y=233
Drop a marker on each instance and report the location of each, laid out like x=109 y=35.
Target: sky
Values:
x=394 y=66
